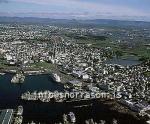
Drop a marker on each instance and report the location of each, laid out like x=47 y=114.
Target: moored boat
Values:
x=55 y=77
x=72 y=117
x=18 y=78
x=20 y=110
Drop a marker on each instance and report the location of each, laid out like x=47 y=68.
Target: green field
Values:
x=140 y=51
x=43 y=65
x=147 y=74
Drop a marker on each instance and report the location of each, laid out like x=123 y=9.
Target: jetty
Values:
x=6 y=116
x=11 y=116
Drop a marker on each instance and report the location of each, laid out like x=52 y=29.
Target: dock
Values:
x=6 y=116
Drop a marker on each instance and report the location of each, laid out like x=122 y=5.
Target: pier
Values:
x=6 y=116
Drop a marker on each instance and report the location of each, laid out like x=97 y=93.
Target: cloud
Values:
x=3 y=1
x=85 y=9
x=88 y=6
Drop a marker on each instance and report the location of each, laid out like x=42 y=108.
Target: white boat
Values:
x=65 y=118
x=2 y=73
x=18 y=120
x=20 y=110
x=18 y=78
x=32 y=122
x=72 y=117
x=55 y=77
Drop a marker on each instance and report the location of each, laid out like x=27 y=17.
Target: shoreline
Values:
x=64 y=77
x=113 y=105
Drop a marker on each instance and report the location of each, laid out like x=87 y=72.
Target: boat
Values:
x=18 y=78
x=2 y=73
x=15 y=79
x=55 y=77
x=32 y=123
x=18 y=120
x=20 y=110
x=65 y=118
x=66 y=86
x=72 y=117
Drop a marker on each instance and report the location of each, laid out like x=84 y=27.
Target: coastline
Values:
x=112 y=105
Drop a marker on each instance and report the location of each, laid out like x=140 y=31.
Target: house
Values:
x=75 y=83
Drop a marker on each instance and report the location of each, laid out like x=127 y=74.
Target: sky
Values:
x=78 y=9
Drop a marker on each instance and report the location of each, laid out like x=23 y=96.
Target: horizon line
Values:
x=77 y=19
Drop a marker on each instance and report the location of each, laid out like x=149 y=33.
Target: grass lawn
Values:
x=147 y=74
x=43 y=65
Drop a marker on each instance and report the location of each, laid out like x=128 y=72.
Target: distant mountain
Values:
x=110 y=22
x=73 y=22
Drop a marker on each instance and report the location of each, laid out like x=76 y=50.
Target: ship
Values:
x=18 y=78
x=65 y=119
x=20 y=110
x=2 y=73
x=72 y=117
x=55 y=77
x=18 y=120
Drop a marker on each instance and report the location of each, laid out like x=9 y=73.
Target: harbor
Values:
x=52 y=112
